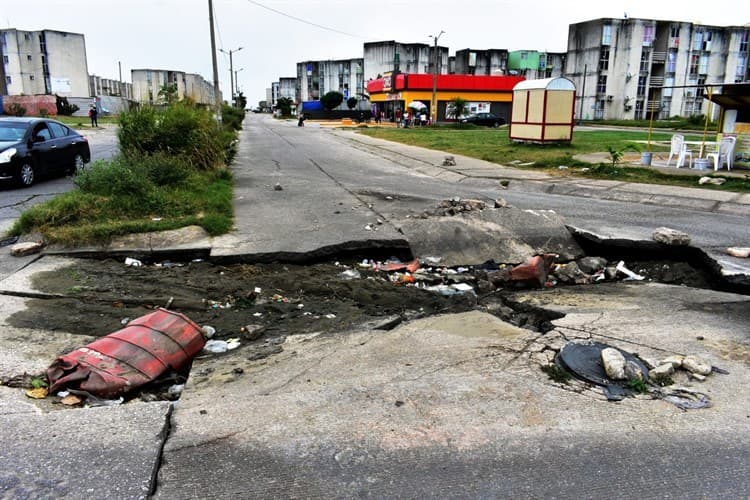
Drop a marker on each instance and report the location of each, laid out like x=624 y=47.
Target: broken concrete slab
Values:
x=76 y=453
x=507 y=235
x=669 y=236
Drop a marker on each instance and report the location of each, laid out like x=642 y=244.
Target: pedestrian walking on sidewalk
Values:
x=93 y=114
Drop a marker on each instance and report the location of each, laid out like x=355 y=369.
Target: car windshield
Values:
x=12 y=131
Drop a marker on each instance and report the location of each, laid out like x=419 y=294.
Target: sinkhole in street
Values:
x=260 y=304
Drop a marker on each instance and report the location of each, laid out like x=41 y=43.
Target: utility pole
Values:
x=119 y=91
x=433 y=102
x=217 y=96
x=231 y=71
x=237 y=82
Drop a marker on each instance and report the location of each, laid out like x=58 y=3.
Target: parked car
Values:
x=485 y=119
x=34 y=147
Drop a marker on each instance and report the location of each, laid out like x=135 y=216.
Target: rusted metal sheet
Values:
x=145 y=349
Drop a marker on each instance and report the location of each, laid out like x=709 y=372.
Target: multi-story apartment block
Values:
x=148 y=82
x=395 y=57
x=492 y=62
x=288 y=87
x=316 y=78
x=99 y=86
x=632 y=68
x=533 y=64
x=43 y=62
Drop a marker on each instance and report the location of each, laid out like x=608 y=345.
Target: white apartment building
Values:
x=148 y=82
x=317 y=78
x=43 y=62
x=393 y=57
x=629 y=68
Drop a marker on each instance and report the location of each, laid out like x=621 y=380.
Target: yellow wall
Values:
x=557 y=133
x=536 y=106
x=519 y=106
x=559 y=107
x=528 y=132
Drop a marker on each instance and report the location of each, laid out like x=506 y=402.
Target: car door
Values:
x=63 y=143
x=43 y=149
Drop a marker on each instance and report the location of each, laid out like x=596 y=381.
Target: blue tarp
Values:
x=311 y=106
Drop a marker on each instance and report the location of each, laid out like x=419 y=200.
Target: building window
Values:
x=645 y=60
x=31 y=77
x=706 y=41
x=744 y=38
x=697 y=39
x=638 y=110
x=26 y=36
x=693 y=66
x=8 y=79
x=601 y=84
x=604 y=59
x=5 y=59
x=28 y=57
x=641 y=90
x=703 y=65
x=599 y=110
x=607 y=34
x=671 y=61
x=739 y=74
x=648 y=35
x=674 y=31
x=701 y=90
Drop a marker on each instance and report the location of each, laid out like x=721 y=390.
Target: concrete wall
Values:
x=34 y=104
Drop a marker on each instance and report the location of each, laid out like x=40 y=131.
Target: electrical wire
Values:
x=303 y=21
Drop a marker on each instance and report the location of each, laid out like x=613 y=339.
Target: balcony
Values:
x=656 y=81
x=658 y=57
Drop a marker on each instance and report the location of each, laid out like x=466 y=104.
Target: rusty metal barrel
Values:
x=148 y=347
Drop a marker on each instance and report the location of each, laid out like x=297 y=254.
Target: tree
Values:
x=332 y=100
x=456 y=108
x=64 y=107
x=168 y=93
x=240 y=100
x=351 y=103
x=285 y=105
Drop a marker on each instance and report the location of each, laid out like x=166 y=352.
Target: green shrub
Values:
x=232 y=117
x=16 y=109
x=181 y=129
x=64 y=108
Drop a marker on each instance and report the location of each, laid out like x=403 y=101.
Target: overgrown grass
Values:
x=697 y=123
x=494 y=145
x=171 y=174
x=84 y=122
x=203 y=198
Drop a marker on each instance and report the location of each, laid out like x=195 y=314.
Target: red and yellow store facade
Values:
x=393 y=93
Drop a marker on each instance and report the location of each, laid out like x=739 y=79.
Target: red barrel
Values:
x=145 y=349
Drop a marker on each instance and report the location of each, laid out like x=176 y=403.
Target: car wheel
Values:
x=26 y=174
x=78 y=164
x=496 y=124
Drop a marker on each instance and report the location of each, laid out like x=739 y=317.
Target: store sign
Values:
x=387 y=82
x=396 y=96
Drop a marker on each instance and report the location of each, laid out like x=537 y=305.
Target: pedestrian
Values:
x=93 y=114
x=423 y=118
x=398 y=117
x=406 y=119
x=301 y=121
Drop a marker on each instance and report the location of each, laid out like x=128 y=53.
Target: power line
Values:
x=303 y=20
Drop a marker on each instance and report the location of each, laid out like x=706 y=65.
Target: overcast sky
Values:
x=174 y=34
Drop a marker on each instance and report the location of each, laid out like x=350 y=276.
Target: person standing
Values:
x=94 y=114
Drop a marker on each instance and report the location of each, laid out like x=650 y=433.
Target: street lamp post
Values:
x=231 y=71
x=236 y=82
x=433 y=102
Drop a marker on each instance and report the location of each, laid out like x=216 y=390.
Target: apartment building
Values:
x=99 y=86
x=43 y=62
x=632 y=68
x=385 y=57
x=533 y=65
x=491 y=62
x=316 y=78
x=148 y=82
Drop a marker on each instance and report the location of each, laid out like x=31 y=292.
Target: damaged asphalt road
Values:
x=384 y=389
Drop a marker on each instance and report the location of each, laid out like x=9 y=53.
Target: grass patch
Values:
x=78 y=217
x=556 y=373
x=84 y=122
x=494 y=145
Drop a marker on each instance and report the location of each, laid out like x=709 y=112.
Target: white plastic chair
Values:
x=679 y=149
x=725 y=154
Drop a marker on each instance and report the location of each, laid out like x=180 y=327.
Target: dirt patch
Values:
x=102 y=295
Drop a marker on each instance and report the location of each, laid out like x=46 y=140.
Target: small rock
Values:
x=504 y=183
x=449 y=161
x=278 y=187
x=238 y=371
x=471 y=205
x=500 y=203
x=694 y=364
x=252 y=331
x=26 y=248
x=570 y=273
x=633 y=371
x=650 y=363
x=209 y=331
x=675 y=361
x=484 y=286
x=614 y=363
x=661 y=371
x=669 y=236
x=697 y=376
x=712 y=180
x=610 y=272
x=740 y=252
x=591 y=265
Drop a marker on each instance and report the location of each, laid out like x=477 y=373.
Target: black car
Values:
x=32 y=147
x=486 y=119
